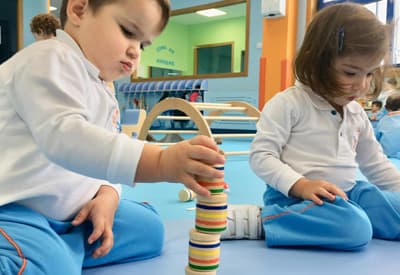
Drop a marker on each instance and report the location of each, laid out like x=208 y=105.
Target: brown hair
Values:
x=338 y=31
x=95 y=5
x=45 y=23
x=392 y=77
x=393 y=102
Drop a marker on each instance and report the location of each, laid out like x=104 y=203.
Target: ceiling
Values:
x=232 y=11
x=187 y=19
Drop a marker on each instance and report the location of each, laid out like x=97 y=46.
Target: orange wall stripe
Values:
x=311 y=9
x=279 y=46
x=284 y=74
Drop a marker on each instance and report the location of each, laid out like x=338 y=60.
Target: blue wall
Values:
x=31 y=8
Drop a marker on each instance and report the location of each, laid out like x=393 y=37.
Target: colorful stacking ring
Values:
x=189 y=271
x=214 y=187
x=204 y=251
x=211 y=213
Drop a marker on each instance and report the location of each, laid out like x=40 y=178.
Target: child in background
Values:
x=375 y=114
x=62 y=158
x=391 y=85
x=312 y=138
x=388 y=129
x=44 y=26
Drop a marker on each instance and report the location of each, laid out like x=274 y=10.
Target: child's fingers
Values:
x=197 y=188
x=198 y=168
x=334 y=190
x=107 y=243
x=98 y=230
x=204 y=141
x=206 y=155
x=326 y=194
x=317 y=200
x=81 y=216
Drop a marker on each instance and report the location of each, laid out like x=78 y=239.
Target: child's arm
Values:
x=181 y=163
x=178 y=163
x=100 y=211
x=314 y=190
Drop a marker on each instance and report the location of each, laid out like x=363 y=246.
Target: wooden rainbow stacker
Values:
x=211 y=221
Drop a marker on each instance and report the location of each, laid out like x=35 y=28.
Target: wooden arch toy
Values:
x=192 y=110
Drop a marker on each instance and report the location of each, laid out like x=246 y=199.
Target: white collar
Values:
x=321 y=103
x=67 y=39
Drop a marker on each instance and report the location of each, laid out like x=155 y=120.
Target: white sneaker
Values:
x=244 y=222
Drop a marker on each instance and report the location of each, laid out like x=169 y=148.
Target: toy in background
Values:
x=210 y=222
x=229 y=111
x=186 y=195
x=387 y=131
x=375 y=114
x=145 y=95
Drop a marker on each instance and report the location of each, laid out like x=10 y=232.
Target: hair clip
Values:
x=341 y=39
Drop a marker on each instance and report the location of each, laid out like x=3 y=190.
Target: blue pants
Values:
x=343 y=225
x=33 y=244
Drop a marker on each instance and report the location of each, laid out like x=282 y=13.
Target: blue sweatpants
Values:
x=342 y=225
x=33 y=244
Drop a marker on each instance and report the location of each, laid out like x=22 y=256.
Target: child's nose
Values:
x=133 y=51
x=362 y=84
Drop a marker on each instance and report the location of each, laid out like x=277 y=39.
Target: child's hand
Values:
x=186 y=159
x=314 y=190
x=100 y=211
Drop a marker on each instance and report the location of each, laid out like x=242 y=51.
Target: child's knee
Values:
x=10 y=265
x=363 y=192
x=356 y=228
x=155 y=235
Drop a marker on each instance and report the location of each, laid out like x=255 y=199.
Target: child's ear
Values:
x=75 y=10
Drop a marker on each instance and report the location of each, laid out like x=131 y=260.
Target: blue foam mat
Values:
x=254 y=258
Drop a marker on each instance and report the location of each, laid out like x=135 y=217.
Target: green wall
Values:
x=174 y=48
x=168 y=50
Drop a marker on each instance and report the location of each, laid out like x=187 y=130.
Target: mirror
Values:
x=191 y=41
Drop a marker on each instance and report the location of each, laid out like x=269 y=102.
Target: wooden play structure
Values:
x=202 y=114
x=132 y=129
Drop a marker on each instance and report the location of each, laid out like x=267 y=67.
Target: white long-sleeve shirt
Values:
x=300 y=134
x=58 y=138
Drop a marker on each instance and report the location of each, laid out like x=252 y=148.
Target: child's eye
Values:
x=349 y=73
x=126 y=32
x=370 y=74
